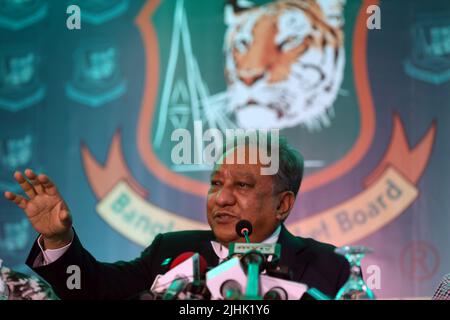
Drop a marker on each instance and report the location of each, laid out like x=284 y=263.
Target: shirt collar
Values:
x=222 y=252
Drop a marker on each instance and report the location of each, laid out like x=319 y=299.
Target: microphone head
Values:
x=181 y=258
x=186 y=255
x=242 y=226
x=276 y=293
x=231 y=290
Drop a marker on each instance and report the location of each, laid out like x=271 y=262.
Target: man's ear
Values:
x=285 y=204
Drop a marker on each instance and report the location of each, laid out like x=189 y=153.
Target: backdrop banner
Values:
x=360 y=87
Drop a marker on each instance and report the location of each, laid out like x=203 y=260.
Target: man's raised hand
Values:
x=44 y=207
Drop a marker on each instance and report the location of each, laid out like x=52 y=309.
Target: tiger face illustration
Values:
x=284 y=62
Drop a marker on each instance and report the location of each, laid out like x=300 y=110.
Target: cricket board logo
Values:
x=305 y=77
x=97 y=77
x=429 y=59
x=21 y=85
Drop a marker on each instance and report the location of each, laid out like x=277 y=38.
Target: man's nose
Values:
x=225 y=197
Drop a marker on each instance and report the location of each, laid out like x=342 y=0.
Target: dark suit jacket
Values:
x=311 y=262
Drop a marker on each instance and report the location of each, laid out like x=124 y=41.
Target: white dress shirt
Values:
x=48 y=256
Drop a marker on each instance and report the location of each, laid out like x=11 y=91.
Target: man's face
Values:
x=239 y=191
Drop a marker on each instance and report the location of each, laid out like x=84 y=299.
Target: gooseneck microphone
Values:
x=252 y=261
x=244 y=229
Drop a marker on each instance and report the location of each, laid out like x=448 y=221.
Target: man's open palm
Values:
x=44 y=207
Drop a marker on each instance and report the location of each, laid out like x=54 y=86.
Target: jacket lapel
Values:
x=293 y=253
x=204 y=248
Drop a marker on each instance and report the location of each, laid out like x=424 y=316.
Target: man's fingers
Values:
x=19 y=200
x=25 y=185
x=9 y=195
x=34 y=181
x=49 y=186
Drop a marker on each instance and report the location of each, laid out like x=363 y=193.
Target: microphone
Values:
x=253 y=261
x=240 y=277
x=175 y=288
x=199 y=263
x=179 y=283
x=244 y=229
x=185 y=272
x=276 y=293
x=231 y=290
x=443 y=291
x=197 y=290
x=230 y=281
x=183 y=283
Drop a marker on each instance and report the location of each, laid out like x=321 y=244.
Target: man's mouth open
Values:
x=225 y=218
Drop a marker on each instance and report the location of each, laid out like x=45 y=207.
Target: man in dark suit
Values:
x=237 y=191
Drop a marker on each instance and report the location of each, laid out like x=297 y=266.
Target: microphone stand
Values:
x=252 y=292
x=253 y=268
